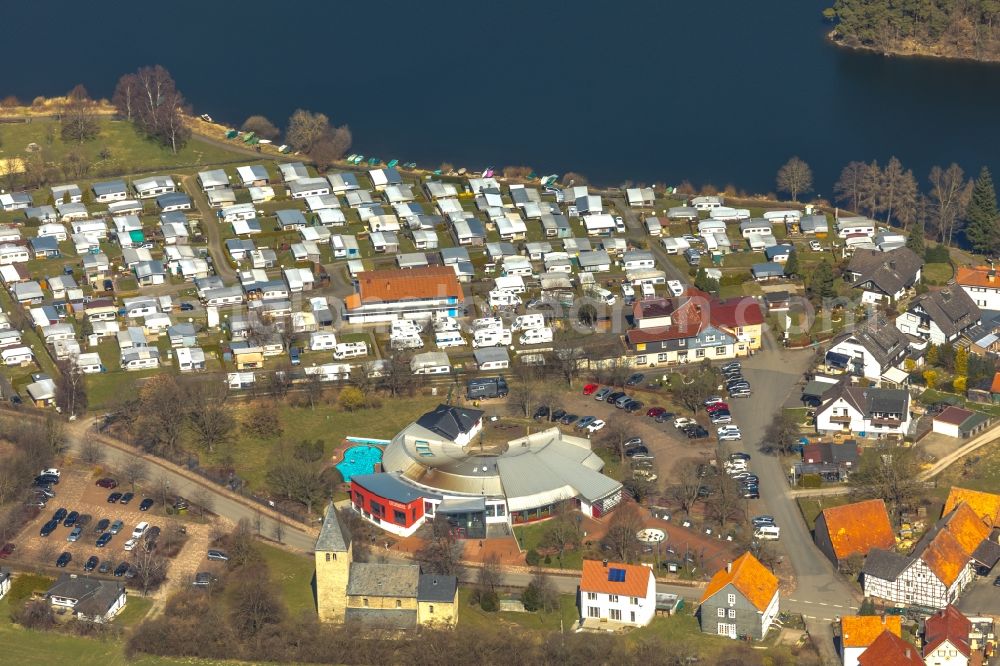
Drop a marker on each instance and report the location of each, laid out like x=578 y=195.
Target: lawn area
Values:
x=472 y=617
x=982 y=472
x=325 y=422
x=811 y=507
x=530 y=537
x=683 y=626
x=105 y=388
x=937 y=273
x=930 y=396
x=293 y=573
x=135 y=611
x=129 y=152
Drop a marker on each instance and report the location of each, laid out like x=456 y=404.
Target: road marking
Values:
x=808 y=617
x=822 y=604
x=836 y=605
x=795 y=600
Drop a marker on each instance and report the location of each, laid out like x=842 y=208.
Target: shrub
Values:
x=532 y=557
x=351 y=399
x=531 y=599
x=489 y=602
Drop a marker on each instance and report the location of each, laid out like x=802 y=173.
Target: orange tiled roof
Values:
x=977 y=277
x=855 y=529
x=986 y=505
x=595 y=579
x=890 y=650
x=945 y=557
x=947 y=624
x=748 y=576
x=400 y=285
x=862 y=630
x=967 y=527
x=995 y=386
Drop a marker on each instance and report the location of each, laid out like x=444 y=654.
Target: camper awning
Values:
x=895 y=376
x=455 y=505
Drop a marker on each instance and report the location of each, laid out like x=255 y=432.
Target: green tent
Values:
x=137 y=236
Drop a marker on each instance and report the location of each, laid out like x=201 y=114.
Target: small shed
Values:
x=492 y=358
x=959 y=422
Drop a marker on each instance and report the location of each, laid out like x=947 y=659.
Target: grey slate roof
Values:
x=880 y=337
x=94 y=597
x=884 y=564
x=888 y=271
x=951 y=309
x=434 y=587
x=377 y=579
x=389 y=486
x=449 y=421
x=382 y=617
x=332 y=536
x=988 y=552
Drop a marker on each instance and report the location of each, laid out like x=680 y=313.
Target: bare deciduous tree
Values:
x=78 y=117
x=255 y=602
x=623 y=527
x=134 y=471
x=150 y=568
x=688 y=484
x=950 y=194
x=71 y=391
x=209 y=417
x=442 y=553
x=306 y=129
x=794 y=177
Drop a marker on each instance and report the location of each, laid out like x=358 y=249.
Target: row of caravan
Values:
x=341 y=350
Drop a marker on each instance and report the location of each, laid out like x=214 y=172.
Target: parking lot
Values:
x=77 y=491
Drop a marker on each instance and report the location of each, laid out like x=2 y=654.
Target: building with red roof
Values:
x=946 y=638
x=616 y=592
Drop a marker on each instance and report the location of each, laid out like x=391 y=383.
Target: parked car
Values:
x=186 y=307
x=664 y=417
x=91 y=563
x=815 y=246
x=101 y=525
x=121 y=569
x=45 y=492
x=106 y=567
x=218 y=555
x=46 y=480
x=75 y=533
x=107 y=483
x=114 y=497
x=568 y=419
x=683 y=421
x=633 y=441
x=48 y=528
x=590 y=389
x=64 y=559
x=203 y=579
x=70 y=519
x=596 y=425
x=603 y=393
x=760 y=521
x=126 y=498
x=716 y=407
x=59 y=515
x=675 y=287
x=540 y=413
x=7 y=550
x=712 y=400
x=697 y=433
x=584 y=422
x=633 y=406
x=146 y=504
x=730 y=437
x=653 y=412
x=84 y=520
x=739 y=455
x=740 y=393
x=636 y=451
x=104 y=539
x=635 y=379
x=614 y=396
x=558 y=414
x=130 y=544
x=732 y=365
x=116 y=527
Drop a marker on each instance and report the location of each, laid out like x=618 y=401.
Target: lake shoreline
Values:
x=840 y=41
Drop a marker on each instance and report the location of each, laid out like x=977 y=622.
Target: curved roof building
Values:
x=440 y=464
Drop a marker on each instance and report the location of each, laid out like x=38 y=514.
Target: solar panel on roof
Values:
x=616 y=575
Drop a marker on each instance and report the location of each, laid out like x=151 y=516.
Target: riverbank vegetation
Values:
x=943 y=28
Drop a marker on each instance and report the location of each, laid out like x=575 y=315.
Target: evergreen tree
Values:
x=821 y=281
x=792 y=265
x=915 y=239
x=705 y=283
x=983 y=230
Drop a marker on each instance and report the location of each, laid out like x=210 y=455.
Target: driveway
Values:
x=981 y=598
x=210 y=225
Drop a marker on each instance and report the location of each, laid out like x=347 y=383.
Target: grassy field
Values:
x=126 y=150
x=325 y=422
x=470 y=616
x=293 y=573
x=937 y=273
x=811 y=507
x=530 y=537
x=982 y=473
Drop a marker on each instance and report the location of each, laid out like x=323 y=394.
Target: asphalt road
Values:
x=210 y=227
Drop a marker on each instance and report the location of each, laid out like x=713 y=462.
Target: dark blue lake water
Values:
x=718 y=91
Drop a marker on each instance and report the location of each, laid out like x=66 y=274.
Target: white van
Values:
x=627 y=291
x=406 y=326
x=536 y=336
x=491 y=337
x=602 y=294
x=449 y=339
x=767 y=533
x=140 y=529
x=502 y=298
x=527 y=321
x=350 y=350
x=321 y=341
x=487 y=323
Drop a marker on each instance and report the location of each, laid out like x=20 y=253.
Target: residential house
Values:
x=613 y=592
x=638 y=259
x=890 y=650
x=173 y=201
x=150 y=188
x=11 y=254
x=293 y=171
x=290 y=219
x=220 y=198
x=814 y=225
x=686 y=213
x=858 y=632
x=640 y=197
x=260 y=195
x=383 y=178
x=42 y=392
x=983 y=504
x=125 y=207
x=231 y=214
x=940 y=317
x=852 y=530
x=870 y=350
x=767 y=271
x=108 y=191
x=982 y=284
x=430 y=363
x=511 y=227
x=300 y=188
x=876 y=412
x=740 y=317
x=555 y=225
x=89 y=599
x=740 y=600
x=215 y=179
x=934 y=574
x=594 y=261
x=853 y=226
x=43 y=214
x=15 y=201
x=755 y=226
x=654 y=227
x=190 y=359
x=345 y=247
x=832 y=461
x=884 y=275
x=67 y=193
x=150 y=273
x=946 y=638
x=437 y=190
x=44 y=246
x=599 y=224
x=254 y=175
x=386 y=295
x=707 y=202
x=384 y=242
x=468 y=231
x=491 y=358
x=778 y=253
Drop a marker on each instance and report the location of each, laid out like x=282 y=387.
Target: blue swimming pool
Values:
x=359 y=460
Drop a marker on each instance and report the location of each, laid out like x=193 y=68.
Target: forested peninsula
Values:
x=968 y=29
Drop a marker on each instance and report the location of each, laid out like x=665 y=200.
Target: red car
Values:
x=107 y=483
x=7 y=550
x=589 y=389
x=653 y=412
x=711 y=409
